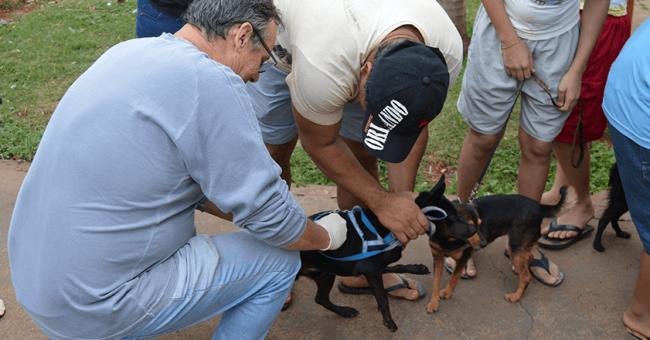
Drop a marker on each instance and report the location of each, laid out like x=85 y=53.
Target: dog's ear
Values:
x=433 y=196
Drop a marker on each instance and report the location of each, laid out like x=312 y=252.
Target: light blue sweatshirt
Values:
x=144 y=134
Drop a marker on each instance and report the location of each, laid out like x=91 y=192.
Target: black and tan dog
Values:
x=369 y=255
x=516 y=216
x=616 y=207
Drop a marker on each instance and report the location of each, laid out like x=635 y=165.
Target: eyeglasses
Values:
x=267 y=64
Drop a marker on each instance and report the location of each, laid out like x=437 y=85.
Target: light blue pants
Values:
x=235 y=274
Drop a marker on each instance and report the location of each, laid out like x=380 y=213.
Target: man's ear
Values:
x=366 y=68
x=243 y=34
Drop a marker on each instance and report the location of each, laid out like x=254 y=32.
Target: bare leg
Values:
x=533 y=167
x=473 y=157
x=281 y=154
x=637 y=317
x=407 y=177
x=578 y=178
x=533 y=172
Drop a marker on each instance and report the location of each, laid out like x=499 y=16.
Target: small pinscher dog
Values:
x=616 y=207
x=381 y=249
x=494 y=216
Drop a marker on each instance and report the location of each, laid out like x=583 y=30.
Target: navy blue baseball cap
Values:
x=407 y=88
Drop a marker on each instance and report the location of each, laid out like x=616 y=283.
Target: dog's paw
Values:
x=513 y=297
x=623 y=234
x=446 y=293
x=432 y=307
x=390 y=324
x=418 y=269
x=346 y=312
x=599 y=247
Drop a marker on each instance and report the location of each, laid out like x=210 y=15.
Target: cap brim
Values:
x=396 y=148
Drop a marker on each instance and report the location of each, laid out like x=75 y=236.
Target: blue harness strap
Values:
x=384 y=244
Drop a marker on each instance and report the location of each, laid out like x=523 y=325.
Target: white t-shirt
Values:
x=325 y=43
x=542 y=20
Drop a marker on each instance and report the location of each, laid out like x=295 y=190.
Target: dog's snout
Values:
x=477 y=242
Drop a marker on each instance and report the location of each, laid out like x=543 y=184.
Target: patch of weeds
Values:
x=12 y=4
x=602 y=160
x=19 y=136
x=304 y=171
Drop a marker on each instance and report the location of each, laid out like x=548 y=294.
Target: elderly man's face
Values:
x=252 y=60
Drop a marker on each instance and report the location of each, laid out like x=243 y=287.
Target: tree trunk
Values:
x=456 y=11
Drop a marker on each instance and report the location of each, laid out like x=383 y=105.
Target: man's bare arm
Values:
x=593 y=17
x=397 y=212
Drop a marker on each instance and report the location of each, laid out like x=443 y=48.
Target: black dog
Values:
x=616 y=207
x=323 y=267
x=518 y=217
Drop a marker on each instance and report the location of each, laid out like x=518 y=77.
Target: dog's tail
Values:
x=567 y=201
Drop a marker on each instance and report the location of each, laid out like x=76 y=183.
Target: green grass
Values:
x=43 y=52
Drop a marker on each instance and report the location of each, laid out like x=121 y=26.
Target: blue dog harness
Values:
x=378 y=245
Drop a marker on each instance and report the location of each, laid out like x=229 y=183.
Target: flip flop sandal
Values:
x=286 y=305
x=635 y=333
x=556 y=243
x=463 y=276
x=366 y=290
x=544 y=264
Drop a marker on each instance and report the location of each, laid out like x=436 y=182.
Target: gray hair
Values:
x=216 y=18
x=381 y=49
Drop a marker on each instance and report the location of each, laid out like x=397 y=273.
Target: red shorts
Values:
x=613 y=36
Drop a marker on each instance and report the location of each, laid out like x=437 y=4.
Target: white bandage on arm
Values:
x=336 y=228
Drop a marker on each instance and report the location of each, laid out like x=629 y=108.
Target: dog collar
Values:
x=429 y=213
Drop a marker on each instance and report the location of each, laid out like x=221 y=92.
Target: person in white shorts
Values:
x=316 y=93
x=512 y=40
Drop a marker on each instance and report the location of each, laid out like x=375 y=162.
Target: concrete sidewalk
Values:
x=589 y=304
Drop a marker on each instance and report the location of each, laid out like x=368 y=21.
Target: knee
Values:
x=538 y=150
x=290 y=260
x=480 y=142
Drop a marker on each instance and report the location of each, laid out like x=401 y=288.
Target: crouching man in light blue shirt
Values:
x=102 y=243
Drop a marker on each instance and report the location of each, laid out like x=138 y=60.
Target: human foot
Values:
x=469 y=271
x=395 y=285
x=287 y=303
x=551 y=276
x=579 y=216
x=550 y=197
x=635 y=324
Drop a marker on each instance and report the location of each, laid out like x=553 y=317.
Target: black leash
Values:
x=578 y=131
x=582 y=144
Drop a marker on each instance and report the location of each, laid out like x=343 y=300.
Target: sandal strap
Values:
x=562 y=227
x=404 y=284
x=542 y=263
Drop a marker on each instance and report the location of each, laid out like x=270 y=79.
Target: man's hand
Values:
x=399 y=213
x=569 y=91
x=518 y=61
